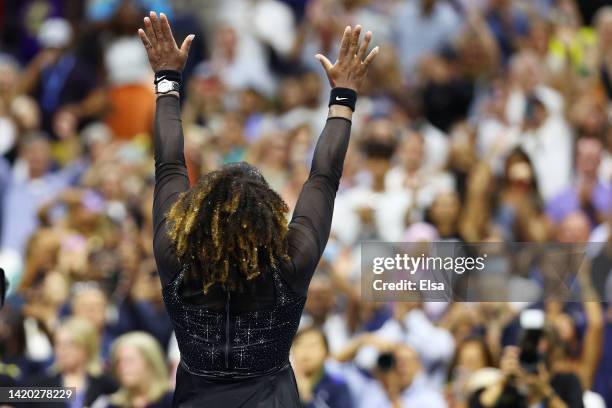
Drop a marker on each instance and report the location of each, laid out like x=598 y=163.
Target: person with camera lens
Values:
x=397 y=379
x=524 y=385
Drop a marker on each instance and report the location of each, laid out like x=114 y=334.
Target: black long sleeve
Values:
x=311 y=222
x=238 y=341
x=170 y=180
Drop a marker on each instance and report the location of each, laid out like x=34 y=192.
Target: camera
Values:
x=386 y=362
x=532 y=324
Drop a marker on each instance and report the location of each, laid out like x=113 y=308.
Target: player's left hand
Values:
x=350 y=70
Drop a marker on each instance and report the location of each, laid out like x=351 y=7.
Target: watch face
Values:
x=164 y=86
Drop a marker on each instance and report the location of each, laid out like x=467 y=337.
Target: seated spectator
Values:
x=90 y=303
x=589 y=193
x=422 y=27
x=363 y=211
x=410 y=325
x=508 y=23
x=601 y=381
x=140 y=368
x=398 y=377
x=444 y=214
x=33 y=182
x=9 y=124
x=130 y=98
x=57 y=76
x=556 y=390
x=520 y=213
x=470 y=356
x=44 y=301
x=143 y=308
x=317 y=386
x=77 y=364
x=16 y=367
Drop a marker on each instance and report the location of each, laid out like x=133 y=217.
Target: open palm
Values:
x=350 y=70
x=161 y=47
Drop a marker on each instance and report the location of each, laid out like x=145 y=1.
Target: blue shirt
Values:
x=420 y=394
x=417 y=34
x=5 y=174
x=602 y=383
x=331 y=392
x=22 y=200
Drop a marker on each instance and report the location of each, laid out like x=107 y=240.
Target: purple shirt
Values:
x=568 y=202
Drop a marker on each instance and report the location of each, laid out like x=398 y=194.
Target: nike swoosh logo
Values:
x=161 y=78
x=340 y=99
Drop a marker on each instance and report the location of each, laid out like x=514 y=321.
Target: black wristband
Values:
x=343 y=96
x=168 y=74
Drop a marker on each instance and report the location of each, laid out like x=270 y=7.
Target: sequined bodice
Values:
x=234 y=345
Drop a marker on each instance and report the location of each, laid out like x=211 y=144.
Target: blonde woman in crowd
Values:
x=140 y=368
x=76 y=346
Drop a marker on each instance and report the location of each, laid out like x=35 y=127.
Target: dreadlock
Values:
x=229 y=226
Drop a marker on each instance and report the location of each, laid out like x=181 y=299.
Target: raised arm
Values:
x=170 y=171
x=310 y=225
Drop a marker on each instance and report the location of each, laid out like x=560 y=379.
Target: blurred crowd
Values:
x=481 y=121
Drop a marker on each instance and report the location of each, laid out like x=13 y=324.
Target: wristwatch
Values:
x=164 y=86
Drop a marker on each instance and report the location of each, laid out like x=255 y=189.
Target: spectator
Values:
x=432 y=22
x=76 y=363
x=141 y=371
x=130 y=99
x=520 y=210
x=58 y=78
x=318 y=387
x=398 y=377
x=16 y=367
x=90 y=303
x=32 y=183
x=560 y=390
x=470 y=356
x=590 y=194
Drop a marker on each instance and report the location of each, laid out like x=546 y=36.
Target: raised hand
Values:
x=161 y=47
x=350 y=68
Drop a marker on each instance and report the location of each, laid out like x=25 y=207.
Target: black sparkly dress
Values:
x=235 y=345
